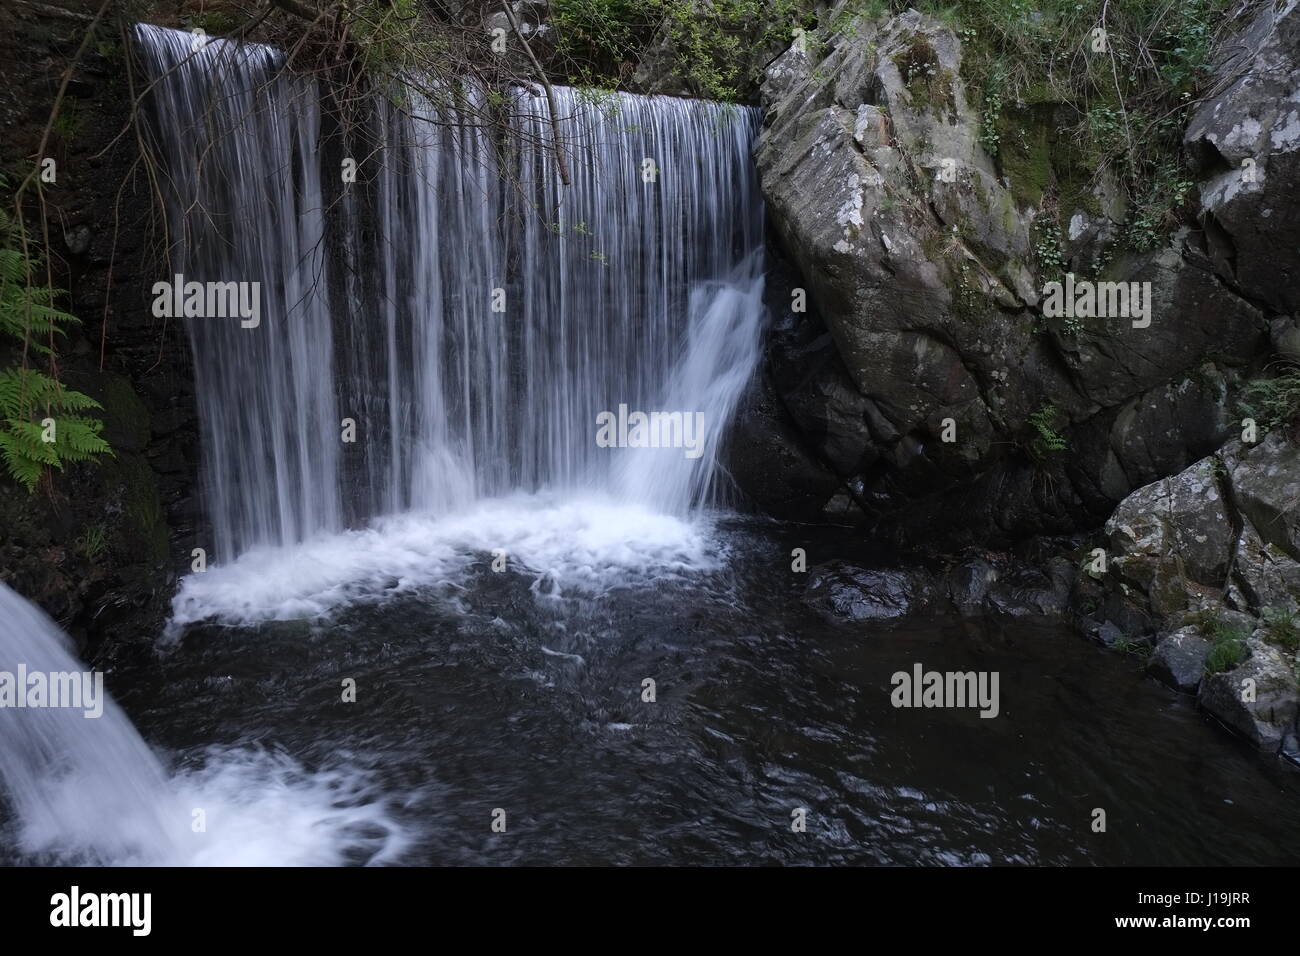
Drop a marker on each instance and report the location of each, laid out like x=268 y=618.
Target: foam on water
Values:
x=260 y=808
x=583 y=544
x=264 y=809
x=84 y=790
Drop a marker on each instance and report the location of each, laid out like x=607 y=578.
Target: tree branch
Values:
x=550 y=94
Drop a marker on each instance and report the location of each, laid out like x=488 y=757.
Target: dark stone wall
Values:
x=100 y=546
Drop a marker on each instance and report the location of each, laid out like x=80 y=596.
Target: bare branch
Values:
x=550 y=94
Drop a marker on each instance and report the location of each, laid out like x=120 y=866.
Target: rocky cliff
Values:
x=926 y=385
x=930 y=393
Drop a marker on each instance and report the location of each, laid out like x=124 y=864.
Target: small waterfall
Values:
x=79 y=789
x=468 y=313
x=78 y=784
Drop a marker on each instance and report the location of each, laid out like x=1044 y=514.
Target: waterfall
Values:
x=469 y=315
x=75 y=780
x=80 y=786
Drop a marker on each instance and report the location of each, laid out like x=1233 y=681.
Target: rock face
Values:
x=924 y=367
x=99 y=551
x=1222 y=531
x=1209 y=558
x=853 y=137
x=1246 y=138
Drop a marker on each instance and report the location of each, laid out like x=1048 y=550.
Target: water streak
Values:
x=469 y=313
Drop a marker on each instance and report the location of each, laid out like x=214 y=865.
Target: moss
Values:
x=1025 y=155
x=1039 y=93
x=930 y=85
x=1078 y=194
x=126 y=419
x=131 y=490
x=969 y=300
x=1075 y=172
x=934 y=246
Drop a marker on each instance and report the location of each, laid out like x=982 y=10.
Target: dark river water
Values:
x=481 y=695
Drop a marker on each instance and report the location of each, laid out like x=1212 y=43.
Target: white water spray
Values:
x=91 y=791
x=469 y=313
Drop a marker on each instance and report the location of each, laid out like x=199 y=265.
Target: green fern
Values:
x=1047 y=440
x=38 y=425
x=1274 y=402
x=27 y=311
x=36 y=430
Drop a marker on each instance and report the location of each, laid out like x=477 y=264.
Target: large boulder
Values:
x=1266 y=487
x=1258 y=699
x=1172 y=540
x=925 y=360
x=911 y=274
x=1210 y=558
x=1246 y=138
x=1220 y=532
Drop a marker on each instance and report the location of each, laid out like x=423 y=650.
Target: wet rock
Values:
x=1030 y=591
x=1171 y=540
x=1246 y=138
x=916 y=250
x=841 y=592
x=767 y=459
x=1179 y=659
x=968 y=585
x=1258 y=699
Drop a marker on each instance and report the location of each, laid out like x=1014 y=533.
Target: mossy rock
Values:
x=125 y=417
x=131 y=489
x=928 y=83
x=1025 y=154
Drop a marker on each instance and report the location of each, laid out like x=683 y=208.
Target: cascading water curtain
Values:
x=469 y=315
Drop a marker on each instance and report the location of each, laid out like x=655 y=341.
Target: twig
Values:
x=550 y=94
x=40 y=153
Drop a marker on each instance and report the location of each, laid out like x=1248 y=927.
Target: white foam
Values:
x=80 y=791
x=242 y=807
x=264 y=809
x=587 y=545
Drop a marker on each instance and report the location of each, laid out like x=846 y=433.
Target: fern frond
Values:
x=22 y=468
